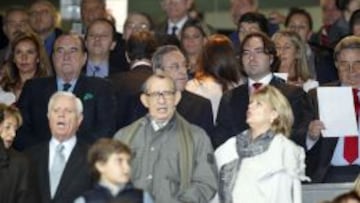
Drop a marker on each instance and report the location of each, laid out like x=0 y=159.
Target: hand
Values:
x=315 y=128
x=276 y=18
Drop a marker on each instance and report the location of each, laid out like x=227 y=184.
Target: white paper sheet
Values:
x=336 y=111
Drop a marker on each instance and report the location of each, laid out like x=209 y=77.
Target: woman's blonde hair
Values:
x=301 y=64
x=278 y=102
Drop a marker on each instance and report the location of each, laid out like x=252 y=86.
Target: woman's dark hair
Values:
x=195 y=24
x=343 y=198
x=354 y=19
x=299 y=11
x=254 y=17
x=342 y=4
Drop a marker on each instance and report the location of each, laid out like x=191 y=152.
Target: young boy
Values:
x=110 y=164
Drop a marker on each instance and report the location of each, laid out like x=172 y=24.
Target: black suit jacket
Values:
x=117 y=59
x=75 y=179
x=128 y=87
x=99 y=103
x=231 y=118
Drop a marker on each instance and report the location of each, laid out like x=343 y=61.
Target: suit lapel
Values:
x=79 y=87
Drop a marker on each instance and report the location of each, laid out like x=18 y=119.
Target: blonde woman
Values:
x=293 y=60
x=261 y=164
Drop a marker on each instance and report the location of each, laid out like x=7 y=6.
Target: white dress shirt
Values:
x=68 y=147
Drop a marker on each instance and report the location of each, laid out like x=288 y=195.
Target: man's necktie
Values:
x=66 y=87
x=256 y=86
x=173 y=30
x=96 y=69
x=57 y=168
x=351 y=151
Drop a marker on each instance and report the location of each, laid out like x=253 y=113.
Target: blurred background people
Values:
x=218 y=72
x=28 y=59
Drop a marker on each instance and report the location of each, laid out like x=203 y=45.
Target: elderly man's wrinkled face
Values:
x=17 y=21
x=42 y=18
x=64 y=119
x=92 y=10
x=174 y=64
x=348 y=64
x=160 y=99
x=68 y=57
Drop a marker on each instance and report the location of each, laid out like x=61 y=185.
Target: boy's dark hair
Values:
x=101 y=150
x=254 y=17
x=299 y=11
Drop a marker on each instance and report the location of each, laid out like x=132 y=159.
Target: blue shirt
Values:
x=97 y=70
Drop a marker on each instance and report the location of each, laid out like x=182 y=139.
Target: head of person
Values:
x=160 y=97
x=170 y=61
x=100 y=38
x=330 y=13
x=10 y=121
x=42 y=17
x=219 y=61
x=65 y=114
x=240 y=7
x=299 y=21
x=91 y=10
x=349 y=197
x=16 y=19
x=347 y=7
x=141 y=45
x=176 y=9
x=355 y=23
x=136 y=22
x=252 y=22
x=269 y=109
x=69 y=56
x=109 y=161
x=193 y=36
x=258 y=56
x=347 y=61
x=291 y=51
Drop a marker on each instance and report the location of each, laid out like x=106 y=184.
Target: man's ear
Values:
x=144 y=100
x=177 y=97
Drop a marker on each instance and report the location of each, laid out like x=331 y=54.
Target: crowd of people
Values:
x=175 y=112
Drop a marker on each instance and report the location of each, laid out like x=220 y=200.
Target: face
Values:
x=356 y=29
x=91 y=10
x=255 y=61
x=175 y=66
x=63 y=117
x=8 y=130
x=192 y=41
x=348 y=64
x=135 y=23
x=160 y=99
x=176 y=9
x=353 y=6
x=239 y=8
x=68 y=57
x=246 y=28
x=26 y=56
x=330 y=13
x=286 y=51
x=17 y=21
x=99 y=41
x=116 y=169
x=42 y=18
x=260 y=114
x=299 y=24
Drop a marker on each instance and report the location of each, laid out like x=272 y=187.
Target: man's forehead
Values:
x=68 y=41
x=166 y=84
x=353 y=51
x=17 y=15
x=173 y=56
x=136 y=18
x=254 y=42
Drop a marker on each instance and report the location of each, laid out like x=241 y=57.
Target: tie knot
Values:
x=257 y=85
x=66 y=86
x=173 y=30
x=60 y=148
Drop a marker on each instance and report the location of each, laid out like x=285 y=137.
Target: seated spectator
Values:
x=291 y=51
x=17 y=183
x=100 y=40
x=179 y=158
x=261 y=164
x=109 y=161
x=28 y=60
x=193 y=38
x=43 y=21
x=336 y=159
x=218 y=72
x=61 y=168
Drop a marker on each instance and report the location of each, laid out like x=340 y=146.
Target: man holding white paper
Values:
x=333 y=153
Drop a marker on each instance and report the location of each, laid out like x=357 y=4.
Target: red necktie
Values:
x=351 y=152
x=256 y=85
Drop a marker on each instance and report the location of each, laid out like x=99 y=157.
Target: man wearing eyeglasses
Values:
x=173 y=159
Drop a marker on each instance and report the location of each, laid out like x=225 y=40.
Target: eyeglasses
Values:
x=167 y=94
x=137 y=26
x=345 y=66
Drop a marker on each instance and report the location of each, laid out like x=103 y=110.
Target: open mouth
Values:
x=61 y=124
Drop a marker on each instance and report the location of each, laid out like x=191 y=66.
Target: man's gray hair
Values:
x=157 y=58
x=158 y=76
x=78 y=104
x=350 y=42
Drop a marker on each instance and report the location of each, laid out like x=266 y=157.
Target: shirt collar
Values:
x=179 y=24
x=265 y=80
x=143 y=62
x=60 y=82
x=68 y=144
x=102 y=72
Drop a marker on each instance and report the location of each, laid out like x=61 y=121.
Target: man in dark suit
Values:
x=197 y=110
x=96 y=94
x=258 y=55
x=128 y=85
x=326 y=159
x=60 y=163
